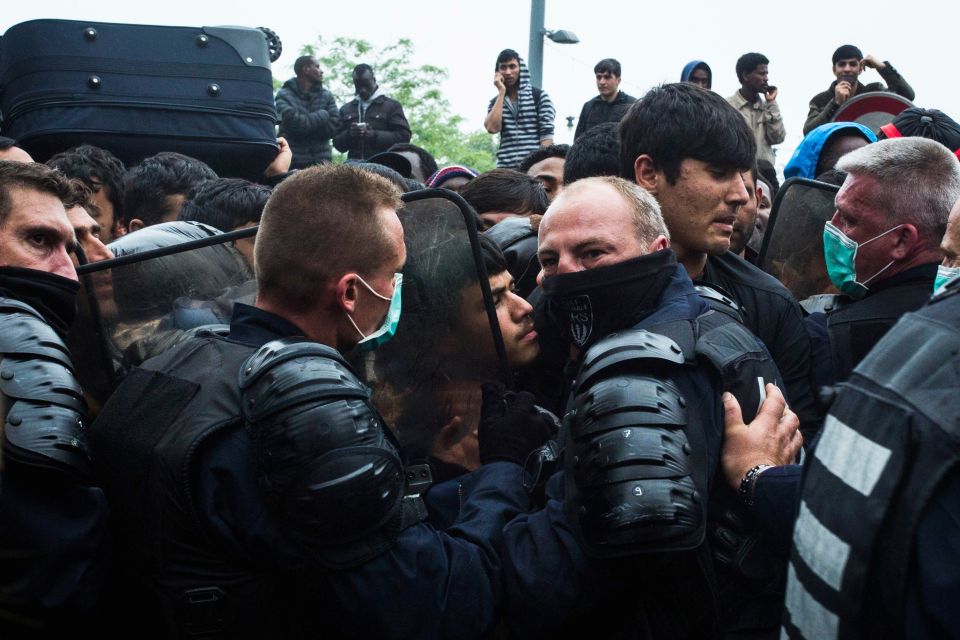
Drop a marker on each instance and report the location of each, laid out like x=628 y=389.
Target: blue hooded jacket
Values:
x=803 y=164
x=693 y=64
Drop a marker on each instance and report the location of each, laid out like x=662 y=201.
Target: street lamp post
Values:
x=537 y=32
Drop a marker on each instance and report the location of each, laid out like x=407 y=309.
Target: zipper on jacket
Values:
x=43 y=103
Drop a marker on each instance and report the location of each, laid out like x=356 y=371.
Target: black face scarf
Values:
x=55 y=297
x=589 y=305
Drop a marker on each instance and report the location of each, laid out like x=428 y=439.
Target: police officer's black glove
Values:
x=511 y=425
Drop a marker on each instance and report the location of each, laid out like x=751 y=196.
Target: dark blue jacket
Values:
x=551 y=584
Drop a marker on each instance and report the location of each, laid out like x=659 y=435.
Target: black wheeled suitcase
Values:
x=136 y=90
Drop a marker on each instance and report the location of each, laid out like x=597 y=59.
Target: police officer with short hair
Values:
x=257 y=490
x=52 y=516
x=620 y=546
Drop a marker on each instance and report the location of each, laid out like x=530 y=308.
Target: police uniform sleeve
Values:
x=437 y=584
x=427 y=584
x=776 y=499
x=933 y=583
x=314 y=449
x=548 y=578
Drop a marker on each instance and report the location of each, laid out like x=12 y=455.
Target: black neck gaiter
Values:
x=54 y=297
x=589 y=305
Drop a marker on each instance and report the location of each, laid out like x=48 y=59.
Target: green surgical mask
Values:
x=840 y=252
x=389 y=326
x=944 y=275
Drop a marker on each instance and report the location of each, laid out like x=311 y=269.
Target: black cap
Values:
x=393 y=160
x=925 y=123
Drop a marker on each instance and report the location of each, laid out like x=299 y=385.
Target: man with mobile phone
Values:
x=848 y=63
x=761 y=113
x=372 y=122
x=522 y=114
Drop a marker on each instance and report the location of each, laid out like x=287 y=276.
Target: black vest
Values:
x=152 y=429
x=855 y=327
x=891 y=437
x=700 y=592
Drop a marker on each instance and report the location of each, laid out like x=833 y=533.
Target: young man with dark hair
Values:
x=308 y=114
x=610 y=105
x=156 y=188
x=504 y=193
x=848 y=63
x=522 y=114
x=228 y=204
x=422 y=164
x=104 y=175
x=546 y=166
x=372 y=122
x=457 y=333
x=595 y=153
x=745 y=224
x=689 y=148
x=756 y=100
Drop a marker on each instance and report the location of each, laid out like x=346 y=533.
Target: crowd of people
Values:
x=566 y=397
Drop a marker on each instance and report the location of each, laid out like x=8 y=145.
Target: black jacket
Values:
x=384 y=115
x=823 y=108
x=308 y=119
x=772 y=314
x=597 y=111
x=845 y=335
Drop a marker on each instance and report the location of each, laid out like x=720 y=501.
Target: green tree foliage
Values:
x=418 y=89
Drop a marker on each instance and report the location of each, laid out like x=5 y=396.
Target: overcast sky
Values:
x=652 y=39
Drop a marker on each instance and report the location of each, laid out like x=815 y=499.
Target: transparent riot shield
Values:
x=136 y=306
x=792 y=249
x=426 y=379
x=872 y=110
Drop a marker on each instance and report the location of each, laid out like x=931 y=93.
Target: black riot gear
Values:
x=887 y=446
x=637 y=479
x=339 y=487
x=43 y=402
x=630 y=484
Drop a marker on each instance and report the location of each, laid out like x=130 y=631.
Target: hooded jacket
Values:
x=803 y=163
x=693 y=64
x=525 y=123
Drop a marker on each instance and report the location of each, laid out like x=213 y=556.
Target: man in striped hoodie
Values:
x=521 y=113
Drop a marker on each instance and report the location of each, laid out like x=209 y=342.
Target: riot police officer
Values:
x=875 y=544
x=619 y=547
x=258 y=492
x=52 y=516
x=882 y=244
